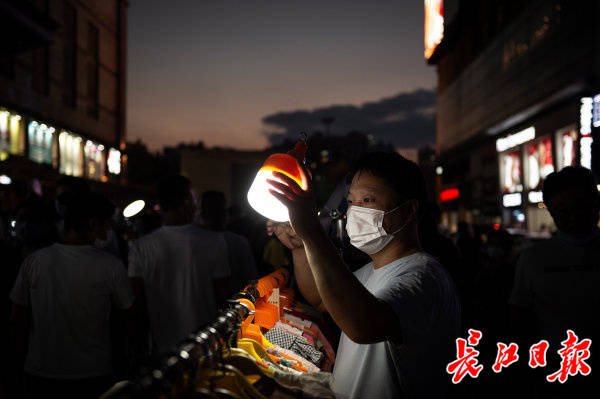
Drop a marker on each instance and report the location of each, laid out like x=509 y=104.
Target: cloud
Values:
x=404 y=120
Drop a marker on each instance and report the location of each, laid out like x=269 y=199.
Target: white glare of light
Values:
x=516 y=139
x=5 y=179
x=535 y=197
x=521 y=217
x=585 y=148
x=585 y=115
x=13 y=223
x=509 y=200
x=100 y=147
x=263 y=202
x=439 y=170
x=114 y=161
x=598 y=187
x=134 y=208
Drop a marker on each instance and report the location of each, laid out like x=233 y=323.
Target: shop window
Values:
x=71 y=154
x=510 y=172
x=94 y=160
x=114 y=161
x=566 y=142
x=41 y=143
x=11 y=134
x=539 y=163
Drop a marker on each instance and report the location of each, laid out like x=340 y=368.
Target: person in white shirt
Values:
x=399 y=314
x=213 y=217
x=70 y=289
x=180 y=271
x=557 y=281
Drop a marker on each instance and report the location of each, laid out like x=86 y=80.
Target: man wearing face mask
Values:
x=399 y=314
x=556 y=281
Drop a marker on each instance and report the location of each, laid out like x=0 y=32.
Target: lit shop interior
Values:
x=64 y=151
x=528 y=156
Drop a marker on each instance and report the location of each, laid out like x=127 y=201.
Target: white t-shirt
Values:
x=241 y=261
x=425 y=301
x=70 y=289
x=178 y=265
x=560 y=281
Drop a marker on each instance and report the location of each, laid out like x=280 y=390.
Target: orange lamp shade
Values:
x=259 y=196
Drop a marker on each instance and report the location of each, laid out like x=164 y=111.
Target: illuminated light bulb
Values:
x=259 y=197
x=134 y=208
x=5 y=179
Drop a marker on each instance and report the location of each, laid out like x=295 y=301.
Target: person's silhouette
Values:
x=556 y=281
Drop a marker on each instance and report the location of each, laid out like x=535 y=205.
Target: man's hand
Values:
x=300 y=203
x=285 y=234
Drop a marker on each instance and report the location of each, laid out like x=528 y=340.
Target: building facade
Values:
x=518 y=86
x=62 y=88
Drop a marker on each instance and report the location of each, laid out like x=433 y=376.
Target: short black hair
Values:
x=402 y=175
x=571 y=177
x=172 y=191
x=211 y=197
x=82 y=207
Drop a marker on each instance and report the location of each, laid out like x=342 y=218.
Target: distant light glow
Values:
x=496 y=226
x=510 y=200
x=134 y=208
x=516 y=139
x=439 y=170
x=535 y=197
x=114 y=161
x=5 y=179
x=521 y=217
x=434 y=25
x=13 y=223
x=449 y=194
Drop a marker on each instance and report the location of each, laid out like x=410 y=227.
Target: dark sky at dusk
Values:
x=213 y=70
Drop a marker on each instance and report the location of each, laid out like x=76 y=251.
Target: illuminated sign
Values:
x=535 y=197
x=510 y=200
x=539 y=163
x=596 y=111
x=585 y=129
x=434 y=25
x=449 y=194
x=516 y=139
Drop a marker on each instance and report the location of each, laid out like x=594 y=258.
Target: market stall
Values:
x=264 y=343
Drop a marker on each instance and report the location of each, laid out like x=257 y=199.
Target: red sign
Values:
x=449 y=194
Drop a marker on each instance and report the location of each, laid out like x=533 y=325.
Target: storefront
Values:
x=94 y=161
x=30 y=140
x=528 y=156
x=12 y=137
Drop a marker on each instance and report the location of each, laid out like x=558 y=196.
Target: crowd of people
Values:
x=89 y=304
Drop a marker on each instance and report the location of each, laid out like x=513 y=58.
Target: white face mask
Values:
x=365 y=228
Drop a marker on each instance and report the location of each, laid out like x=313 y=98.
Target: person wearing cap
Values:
x=399 y=314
